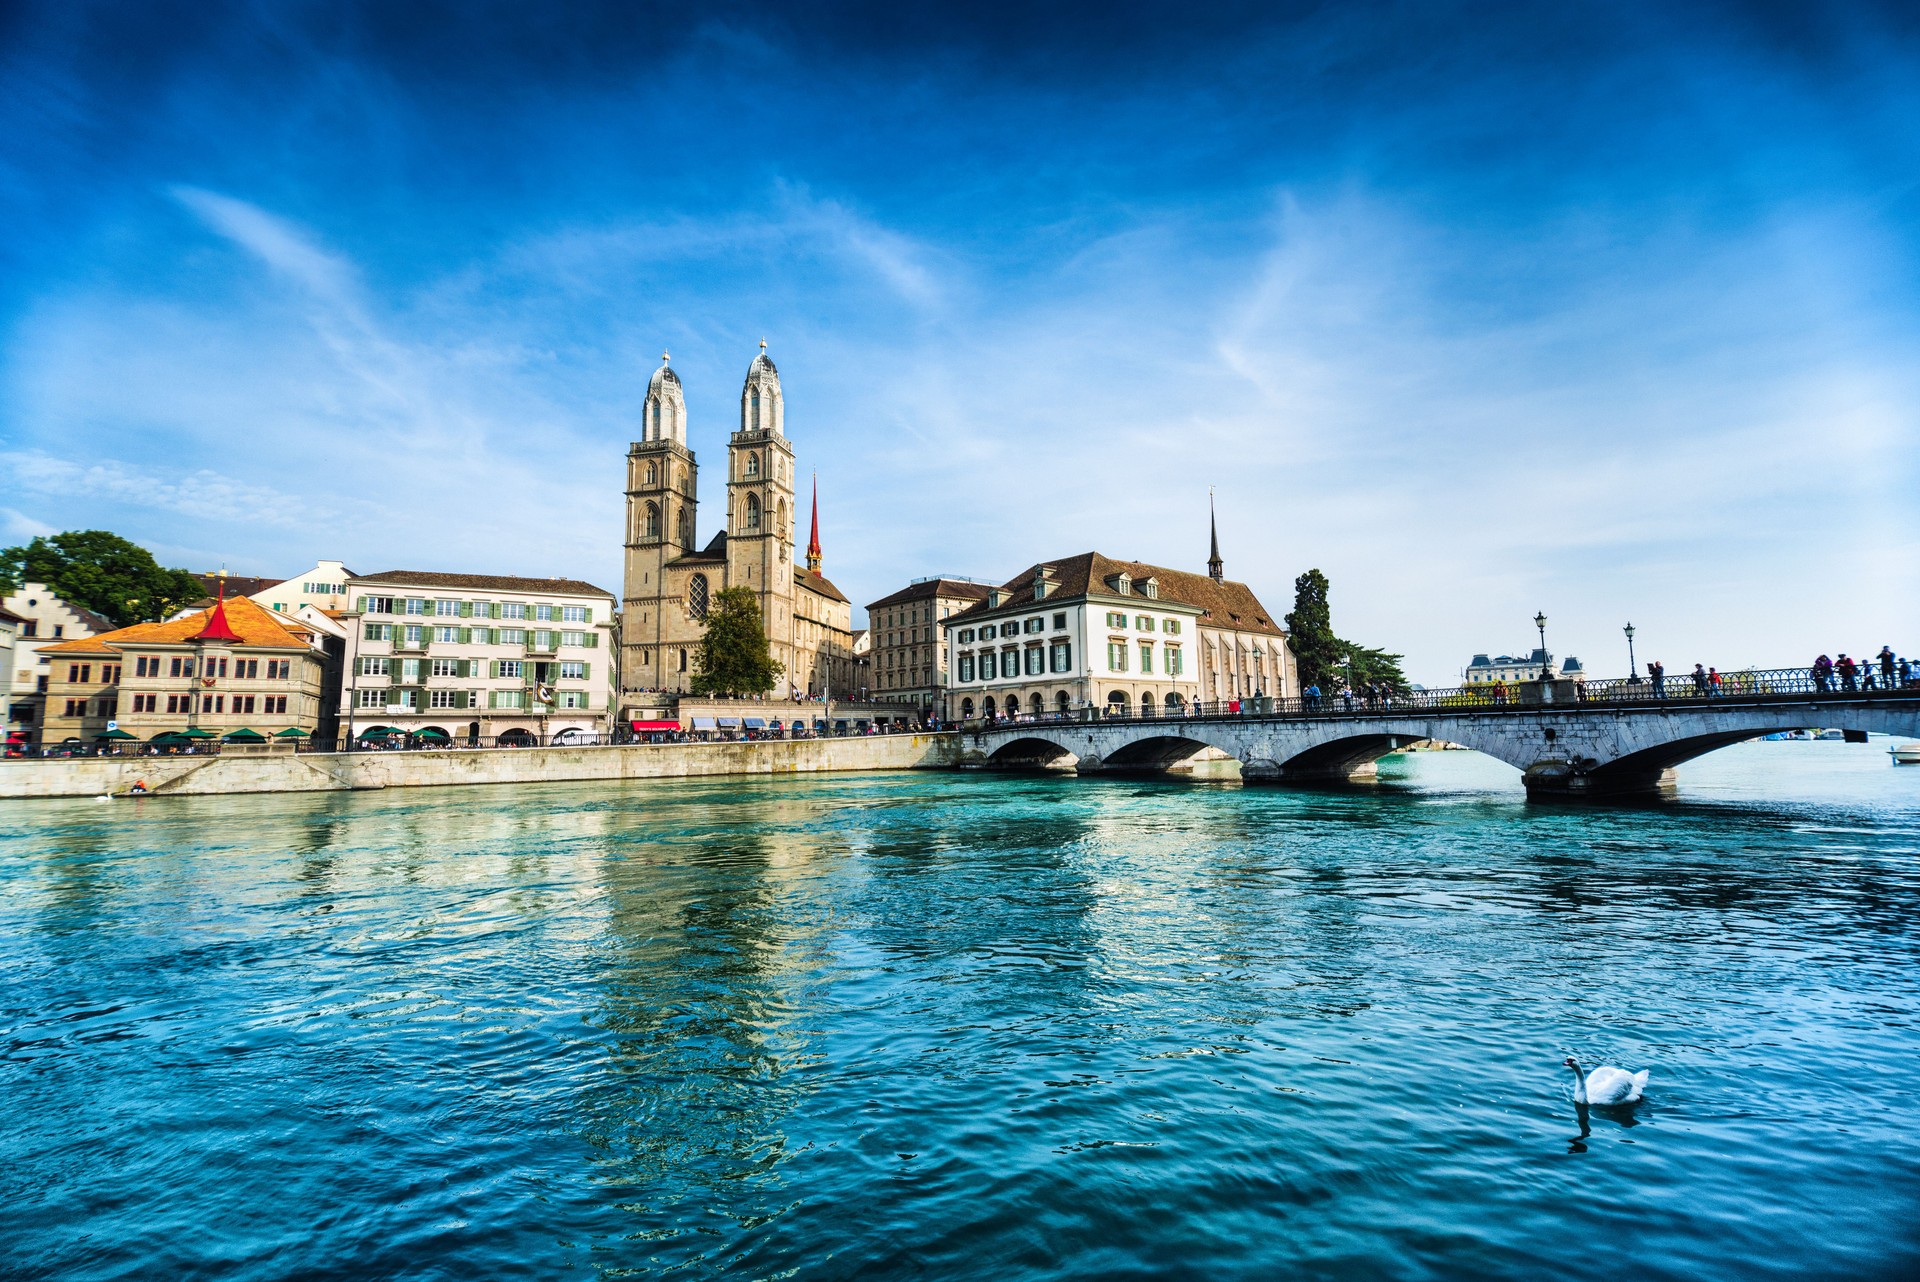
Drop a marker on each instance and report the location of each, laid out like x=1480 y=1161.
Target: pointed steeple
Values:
x=217 y=628
x=1216 y=570
x=813 y=539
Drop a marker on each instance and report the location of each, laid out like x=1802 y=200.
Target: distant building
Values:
x=1092 y=632
x=467 y=657
x=1511 y=668
x=44 y=620
x=234 y=668
x=908 y=660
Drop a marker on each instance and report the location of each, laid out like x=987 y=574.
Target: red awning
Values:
x=641 y=726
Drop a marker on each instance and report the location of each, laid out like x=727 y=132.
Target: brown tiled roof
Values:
x=253 y=623
x=932 y=588
x=1228 y=605
x=484 y=582
x=8 y=616
x=817 y=583
x=237 y=584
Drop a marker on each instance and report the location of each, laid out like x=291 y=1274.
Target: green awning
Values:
x=169 y=736
x=291 y=732
x=117 y=734
x=245 y=734
x=195 y=732
x=379 y=732
x=430 y=732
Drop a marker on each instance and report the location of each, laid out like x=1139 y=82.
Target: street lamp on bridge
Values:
x=1633 y=669
x=1540 y=621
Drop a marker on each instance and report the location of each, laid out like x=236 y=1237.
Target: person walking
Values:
x=1699 y=681
x=1657 y=671
x=1713 y=683
x=1849 y=674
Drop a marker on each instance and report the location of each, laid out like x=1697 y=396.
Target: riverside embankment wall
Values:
x=336 y=771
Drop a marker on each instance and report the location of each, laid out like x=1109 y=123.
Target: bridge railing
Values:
x=1747 y=686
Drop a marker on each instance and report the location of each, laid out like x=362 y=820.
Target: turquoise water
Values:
x=975 y=1026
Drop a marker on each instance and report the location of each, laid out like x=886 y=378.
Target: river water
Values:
x=968 y=1026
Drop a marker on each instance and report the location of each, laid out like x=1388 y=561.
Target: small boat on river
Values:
x=1905 y=754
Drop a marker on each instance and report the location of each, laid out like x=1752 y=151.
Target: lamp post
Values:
x=1633 y=669
x=1540 y=622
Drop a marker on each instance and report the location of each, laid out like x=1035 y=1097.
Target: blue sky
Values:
x=1607 y=310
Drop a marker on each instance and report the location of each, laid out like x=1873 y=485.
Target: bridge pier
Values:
x=1556 y=781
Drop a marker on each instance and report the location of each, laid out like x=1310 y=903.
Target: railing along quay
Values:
x=1769 y=685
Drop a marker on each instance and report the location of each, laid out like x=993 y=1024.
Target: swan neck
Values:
x=1579 y=1086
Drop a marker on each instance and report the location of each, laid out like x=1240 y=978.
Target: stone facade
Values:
x=908 y=662
x=670 y=581
x=230 y=668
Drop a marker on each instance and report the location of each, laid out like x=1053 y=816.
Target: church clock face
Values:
x=697 y=596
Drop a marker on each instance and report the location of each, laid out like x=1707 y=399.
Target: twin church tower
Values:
x=670 y=582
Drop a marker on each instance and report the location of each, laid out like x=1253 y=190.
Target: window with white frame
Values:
x=1175 y=665
x=966 y=667
x=375 y=665
x=543 y=613
x=513 y=636
x=509 y=698
x=573 y=638
x=989 y=665
x=573 y=614
x=377 y=604
x=1146 y=656
x=379 y=632
x=446 y=634
x=446 y=667
x=1115 y=619
x=1116 y=656
x=446 y=609
x=513 y=610
x=409 y=669
x=446 y=698
x=572 y=671
x=416 y=605
x=1143 y=622
x=512 y=667
x=1037 y=625
x=573 y=699
x=1172 y=626
x=1062 y=656
x=374 y=698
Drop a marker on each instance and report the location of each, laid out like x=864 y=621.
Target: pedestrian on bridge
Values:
x=1713 y=682
x=1658 y=672
x=1700 y=681
x=1823 y=675
x=1886 y=667
x=1849 y=674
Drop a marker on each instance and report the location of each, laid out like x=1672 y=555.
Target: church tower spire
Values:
x=813 y=539
x=1216 y=569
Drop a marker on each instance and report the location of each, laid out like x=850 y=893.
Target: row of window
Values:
x=420 y=634
x=1174 y=659
x=460 y=699
x=1143 y=623
x=447 y=609
x=242 y=704
x=1012 y=628
x=990 y=667
x=216 y=666
x=323 y=589
x=380 y=665
x=81 y=674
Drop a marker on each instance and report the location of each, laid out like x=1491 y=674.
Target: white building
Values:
x=475 y=657
x=1093 y=632
x=1512 y=668
x=324 y=587
x=44 y=620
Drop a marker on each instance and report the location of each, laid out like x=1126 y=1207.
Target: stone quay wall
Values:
x=358 y=771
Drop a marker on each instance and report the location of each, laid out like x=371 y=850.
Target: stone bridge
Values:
x=1568 y=748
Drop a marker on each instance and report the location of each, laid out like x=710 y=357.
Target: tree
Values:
x=734 y=659
x=1322 y=656
x=103 y=572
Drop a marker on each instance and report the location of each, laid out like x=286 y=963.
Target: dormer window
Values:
x=994 y=598
x=1123 y=584
x=1151 y=587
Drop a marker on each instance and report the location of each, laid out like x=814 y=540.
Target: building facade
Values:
x=1513 y=668
x=233 y=668
x=908 y=663
x=45 y=619
x=476 y=657
x=670 y=580
x=1091 y=632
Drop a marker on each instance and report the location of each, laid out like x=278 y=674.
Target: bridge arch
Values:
x=1032 y=752
x=1155 y=752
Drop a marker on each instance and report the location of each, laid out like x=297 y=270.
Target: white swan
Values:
x=1607 y=1085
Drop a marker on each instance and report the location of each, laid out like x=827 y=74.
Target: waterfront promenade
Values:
x=230 y=772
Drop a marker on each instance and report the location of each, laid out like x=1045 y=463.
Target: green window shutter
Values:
x=593 y=640
x=493 y=667
x=589 y=615
x=362 y=604
x=466 y=609
x=586 y=671
x=466 y=636
x=493 y=611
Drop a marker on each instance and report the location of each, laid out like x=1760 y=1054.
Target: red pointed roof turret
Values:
x=217 y=628
x=813 y=539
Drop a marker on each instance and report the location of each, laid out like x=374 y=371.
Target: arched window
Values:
x=653 y=473
x=753 y=512
x=753 y=465
x=1146 y=705
x=1061 y=702
x=656 y=425
x=696 y=604
x=966 y=707
x=651 y=527
x=756 y=409
x=1034 y=705
x=780 y=522
x=986 y=709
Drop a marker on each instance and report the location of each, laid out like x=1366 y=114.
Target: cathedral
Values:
x=670 y=581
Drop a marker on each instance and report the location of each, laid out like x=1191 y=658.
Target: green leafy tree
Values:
x=734 y=659
x=1322 y=656
x=103 y=572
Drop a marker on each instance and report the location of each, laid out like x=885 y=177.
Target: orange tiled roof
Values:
x=253 y=623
